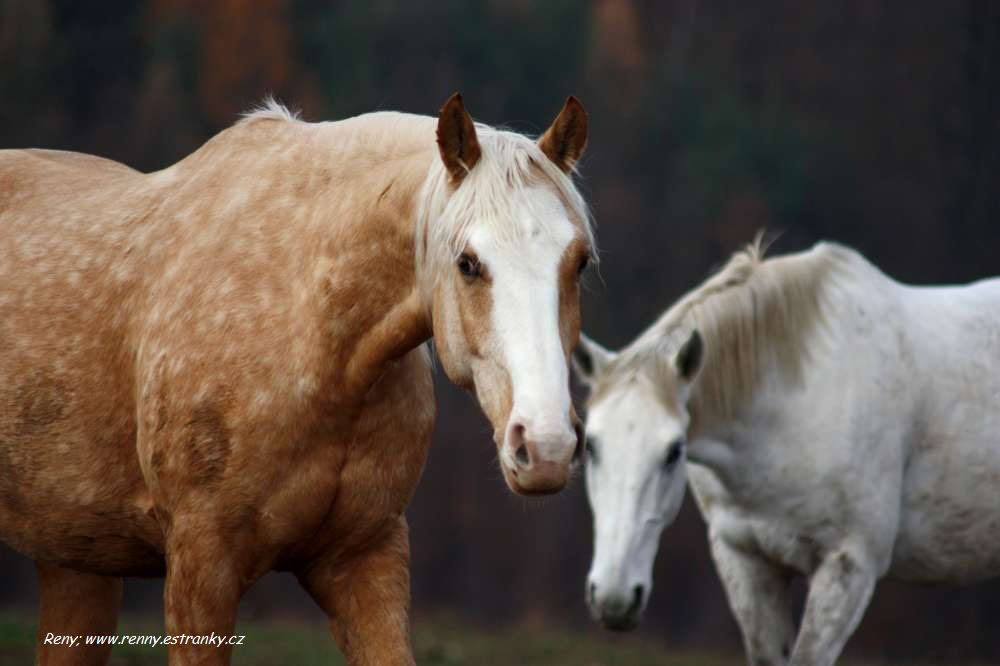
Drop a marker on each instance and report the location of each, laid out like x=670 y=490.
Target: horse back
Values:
x=30 y=173
x=66 y=159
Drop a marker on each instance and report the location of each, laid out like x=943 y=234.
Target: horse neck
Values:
x=389 y=311
x=758 y=334
x=350 y=198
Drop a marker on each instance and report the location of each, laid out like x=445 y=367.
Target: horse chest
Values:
x=766 y=530
x=383 y=453
x=794 y=510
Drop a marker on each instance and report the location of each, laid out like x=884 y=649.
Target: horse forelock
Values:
x=495 y=190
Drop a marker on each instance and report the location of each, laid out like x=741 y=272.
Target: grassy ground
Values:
x=441 y=642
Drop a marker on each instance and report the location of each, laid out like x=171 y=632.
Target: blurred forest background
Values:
x=871 y=122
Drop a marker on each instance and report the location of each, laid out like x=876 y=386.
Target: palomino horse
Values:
x=218 y=369
x=843 y=427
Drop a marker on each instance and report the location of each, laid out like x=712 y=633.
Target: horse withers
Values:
x=833 y=423
x=219 y=369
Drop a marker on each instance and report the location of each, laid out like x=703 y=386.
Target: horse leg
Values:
x=839 y=592
x=201 y=594
x=758 y=593
x=367 y=599
x=78 y=605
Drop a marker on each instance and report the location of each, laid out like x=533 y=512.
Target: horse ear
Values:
x=689 y=357
x=565 y=141
x=590 y=359
x=456 y=138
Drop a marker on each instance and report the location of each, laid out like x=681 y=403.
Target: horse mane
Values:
x=490 y=195
x=755 y=316
x=270 y=109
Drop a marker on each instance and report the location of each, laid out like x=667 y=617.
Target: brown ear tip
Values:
x=572 y=101
x=455 y=101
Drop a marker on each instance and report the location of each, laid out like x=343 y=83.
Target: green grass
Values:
x=442 y=641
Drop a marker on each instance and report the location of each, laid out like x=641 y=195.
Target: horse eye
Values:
x=468 y=266
x=584 y=262
x=674 y=453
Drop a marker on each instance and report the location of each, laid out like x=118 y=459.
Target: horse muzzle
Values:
x=536 y=462
x=614 y=610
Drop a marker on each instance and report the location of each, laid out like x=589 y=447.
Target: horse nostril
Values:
x=522 y=455
x=637 y=593
x=580 y=441
x=592 y=592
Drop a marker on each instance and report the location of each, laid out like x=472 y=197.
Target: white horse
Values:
x=843 y=427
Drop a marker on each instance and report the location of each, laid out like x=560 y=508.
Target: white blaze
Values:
x=525 y=318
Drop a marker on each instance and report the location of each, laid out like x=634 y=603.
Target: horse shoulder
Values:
x=401 y=404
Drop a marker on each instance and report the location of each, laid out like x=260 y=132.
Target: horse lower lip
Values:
x=533 y=491
x=522 y=490
x=623 y=623
x=619 y=619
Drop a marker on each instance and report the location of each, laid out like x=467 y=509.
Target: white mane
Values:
x=753 y=314
x=270 y=109
x=492 y=193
